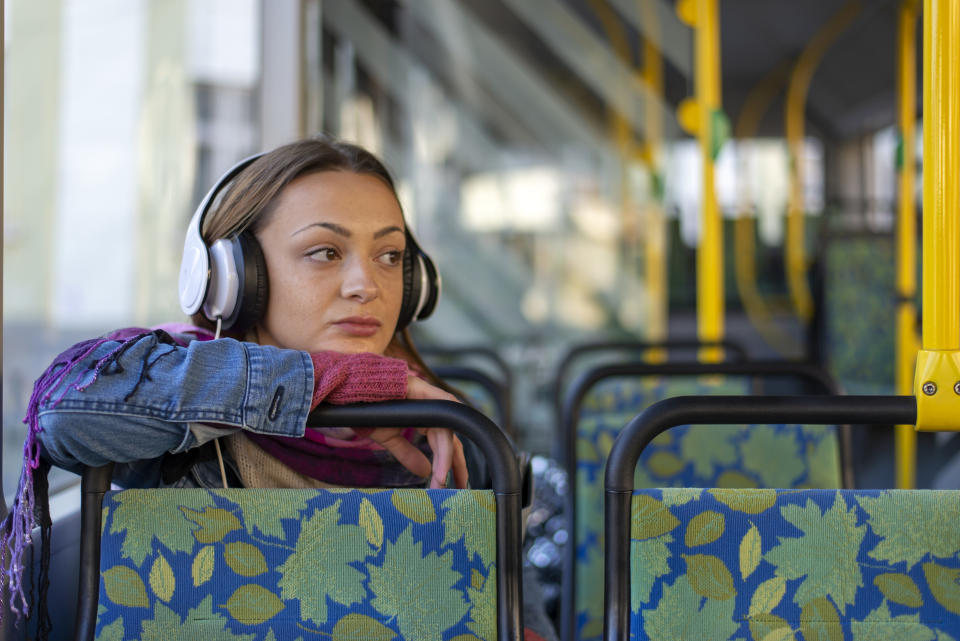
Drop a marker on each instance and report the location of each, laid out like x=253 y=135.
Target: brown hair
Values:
x=251 y=198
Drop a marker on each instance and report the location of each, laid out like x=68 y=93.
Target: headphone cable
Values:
x=216 y=441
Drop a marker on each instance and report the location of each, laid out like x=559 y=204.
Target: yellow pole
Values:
x=906 y=439
x=706 y=114
x=796 y=250
x=937 y=380
x=655 y=254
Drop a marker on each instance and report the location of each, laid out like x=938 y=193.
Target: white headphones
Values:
x=224 y=277
x=228 y=279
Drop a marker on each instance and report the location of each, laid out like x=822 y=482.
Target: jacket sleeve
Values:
x=137 y=400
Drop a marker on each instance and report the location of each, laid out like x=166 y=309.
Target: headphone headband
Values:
x=194 y=282
x=233 y=285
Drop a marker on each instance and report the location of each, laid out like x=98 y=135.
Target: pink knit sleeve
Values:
x=357 y=378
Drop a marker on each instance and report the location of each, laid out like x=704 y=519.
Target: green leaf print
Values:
x=201 y=622
x=750 y=502
x=244 y=559
x=145 y=514
x=944 y=583
x=417 y=590
x=750 y=552
x=709 y=447
x=709 y=577
x=772 y=456
x=360 y=627
x=415 y=505
x=704 y=528
x=932 y=528
x=471 y=516
x=880 y=626
x=664 y=464
x=834 y=535
x=125 y=587
x=766 y=597
x=215 y=523
x=649 y=559
x=112 y=632
x=650 y=517
x=823 y=460
x=371 y=523
x=820 y=621
x=202 y=568
x=162 y=581
x=683 y=614
x=483 y=607
x=253 y=604
x=264 y=510
x=899 y=588
x=770 y=628
x=318 y=568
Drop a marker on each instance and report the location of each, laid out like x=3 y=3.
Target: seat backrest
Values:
x=794 y=564
x=783 y=455
x=266 y=565
x=282 y=564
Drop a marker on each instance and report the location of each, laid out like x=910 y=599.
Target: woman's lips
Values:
x=359 y=326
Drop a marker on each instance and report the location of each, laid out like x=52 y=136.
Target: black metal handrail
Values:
x=587 y=380
x=500 y=458
x=592 y=347
x=466 y=351
x=498 y=392
x=710 y=410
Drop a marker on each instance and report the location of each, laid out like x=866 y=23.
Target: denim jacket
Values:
x=158 y=399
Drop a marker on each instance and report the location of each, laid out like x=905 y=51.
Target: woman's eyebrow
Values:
x=387 y=230
x=335 y=228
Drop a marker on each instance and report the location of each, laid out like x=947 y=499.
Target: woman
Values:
x=322 y=218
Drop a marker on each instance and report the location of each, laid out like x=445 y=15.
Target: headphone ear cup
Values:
x=254 y=288
x=411 y=285
x=430 y=278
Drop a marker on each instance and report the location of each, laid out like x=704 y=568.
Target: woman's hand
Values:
x=447 y=448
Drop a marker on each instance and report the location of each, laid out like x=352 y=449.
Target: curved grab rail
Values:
x=578 y=351
x=571 y=414
x=472 y=350
x=466 y=421
x=497 y=391
x=712 y=410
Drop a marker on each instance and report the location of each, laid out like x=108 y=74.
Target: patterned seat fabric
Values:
x=787 y=456
x=277 y=565
x=859 y=565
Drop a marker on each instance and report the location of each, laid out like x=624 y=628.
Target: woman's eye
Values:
x=391 y=258
x=324 y=254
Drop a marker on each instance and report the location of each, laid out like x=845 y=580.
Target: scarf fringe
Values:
x=17 y=528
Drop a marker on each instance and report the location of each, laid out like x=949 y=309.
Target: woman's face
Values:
x=334 y=251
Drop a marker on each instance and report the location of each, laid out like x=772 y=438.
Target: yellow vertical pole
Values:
x=906 y=439
x=937 y=380
x=702 y=15
x=655 y=254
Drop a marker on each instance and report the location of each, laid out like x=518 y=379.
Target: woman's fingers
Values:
x=441 y=444
x=420 y=390
x=403 y=450
x=460 y=475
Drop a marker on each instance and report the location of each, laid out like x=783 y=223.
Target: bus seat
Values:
x=261 y=564
x=790 y=564
x=333 y=563
x=759 y=455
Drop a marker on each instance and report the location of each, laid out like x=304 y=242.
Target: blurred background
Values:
x=538 y=149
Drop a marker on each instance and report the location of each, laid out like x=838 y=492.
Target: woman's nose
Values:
x=358 y=281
